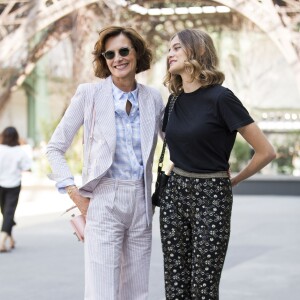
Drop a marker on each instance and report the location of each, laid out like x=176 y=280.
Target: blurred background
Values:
x=46 y=51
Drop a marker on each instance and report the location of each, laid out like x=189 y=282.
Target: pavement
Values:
x=263 y=261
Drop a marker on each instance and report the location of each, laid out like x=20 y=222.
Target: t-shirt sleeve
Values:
x=232 y=111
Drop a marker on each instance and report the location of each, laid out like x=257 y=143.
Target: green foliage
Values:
x=74 y=154
x=240 y=155
x=287 y=148
x=284 y=161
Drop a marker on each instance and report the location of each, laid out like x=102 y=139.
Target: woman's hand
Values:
x=81 y=202
x=233 y=182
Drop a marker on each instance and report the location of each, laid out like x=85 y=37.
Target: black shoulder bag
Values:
x=162 y=178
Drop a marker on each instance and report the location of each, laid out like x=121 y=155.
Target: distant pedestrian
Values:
x=13 y=160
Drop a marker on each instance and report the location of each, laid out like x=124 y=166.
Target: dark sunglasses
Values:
x=124 y=51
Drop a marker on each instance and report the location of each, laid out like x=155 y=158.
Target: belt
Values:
x=220 y=174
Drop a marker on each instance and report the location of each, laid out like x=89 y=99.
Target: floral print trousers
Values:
x=195 y=218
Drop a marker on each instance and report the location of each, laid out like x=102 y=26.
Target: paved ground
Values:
x=263 y=261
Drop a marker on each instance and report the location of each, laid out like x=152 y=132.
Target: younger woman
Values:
x=196 y=207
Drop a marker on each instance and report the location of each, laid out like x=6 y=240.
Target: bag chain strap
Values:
x=161 y=159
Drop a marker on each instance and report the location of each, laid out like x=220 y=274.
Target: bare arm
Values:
x=169 y=168
x=264 y=152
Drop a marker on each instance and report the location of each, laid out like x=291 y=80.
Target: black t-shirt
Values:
x=202 y=129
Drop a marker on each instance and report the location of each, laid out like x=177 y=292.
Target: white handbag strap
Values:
x=93 y=120
x=91 y=136
x=67 y=210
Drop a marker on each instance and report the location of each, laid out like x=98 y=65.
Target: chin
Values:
x=121 y=74
x=173 y=72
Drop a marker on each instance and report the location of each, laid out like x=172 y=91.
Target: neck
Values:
x=125 y=84
x=190 y=85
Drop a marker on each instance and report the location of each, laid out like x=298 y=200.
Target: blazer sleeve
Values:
x=63 y=137
x=160 y=111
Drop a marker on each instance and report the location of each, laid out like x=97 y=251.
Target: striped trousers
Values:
x=117 y=242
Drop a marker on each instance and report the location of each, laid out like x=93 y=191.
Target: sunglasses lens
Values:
x=124 y=51
x=109 y=54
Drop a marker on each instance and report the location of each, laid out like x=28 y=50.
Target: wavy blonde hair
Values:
x=202 y=62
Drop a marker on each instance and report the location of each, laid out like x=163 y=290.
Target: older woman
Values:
x=121 y=121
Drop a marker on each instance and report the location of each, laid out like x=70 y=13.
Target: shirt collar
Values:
x=121 y=95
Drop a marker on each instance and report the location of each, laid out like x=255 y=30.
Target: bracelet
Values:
x=71 y=189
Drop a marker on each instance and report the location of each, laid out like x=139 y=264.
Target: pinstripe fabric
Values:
x=118 y=230
x=103 y=144
x=117 y=242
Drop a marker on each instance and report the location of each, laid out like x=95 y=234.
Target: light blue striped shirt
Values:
x=128 y=162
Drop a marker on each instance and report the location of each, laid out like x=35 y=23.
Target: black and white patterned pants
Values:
x=195 y=218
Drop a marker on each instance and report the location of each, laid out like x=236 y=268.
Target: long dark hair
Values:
x=10 y=137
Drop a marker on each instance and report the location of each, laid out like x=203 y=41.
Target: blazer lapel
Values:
x=147 y=121
x=105 y=113
x=105 y=116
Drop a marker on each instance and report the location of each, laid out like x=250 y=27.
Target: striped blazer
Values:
x=93 y=107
